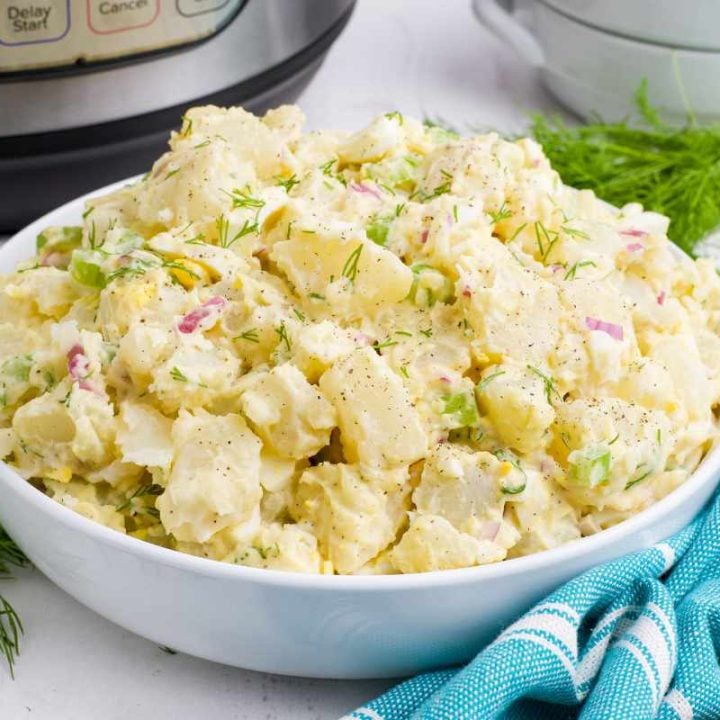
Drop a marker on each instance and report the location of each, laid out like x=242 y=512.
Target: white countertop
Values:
x=425 y=58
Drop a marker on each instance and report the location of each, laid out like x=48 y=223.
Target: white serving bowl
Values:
x=313 y=626
x=594 y=71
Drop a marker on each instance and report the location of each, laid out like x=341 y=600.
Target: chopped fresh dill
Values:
x=427 y=333
x=203 y=144
x=350 y=269
x=299 y=314
x=502 y=214
x=148 y=489
x=92 y=236
x=548 y=384
x=243 y=199
x=187 y=125
x=575 y=233
x=223 y=230
x=250 y=335
x=545 y=238
x=173 y=172
x=518 y=230
x=327 y=168
x=316 y=296
x=404 y=371
x=395 y=115
x=177 y=265
x=288 y=183
x=615 y=439
x=638 y=479
x=177 y=374
x=281 y=332
x=386 y=343
x=482 y=385
x=11 y=628
x=88 y=211
x=570 y=274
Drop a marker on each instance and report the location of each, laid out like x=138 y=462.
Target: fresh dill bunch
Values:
x=10 y=624
x=671 y=170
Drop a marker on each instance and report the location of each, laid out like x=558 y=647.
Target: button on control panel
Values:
x=26 y=22
x=39 y=34
x=189 y=8
x=111 y=16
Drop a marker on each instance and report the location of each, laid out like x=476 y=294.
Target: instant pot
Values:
x=90 y=88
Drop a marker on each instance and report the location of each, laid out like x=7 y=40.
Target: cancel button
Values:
x=109 y=16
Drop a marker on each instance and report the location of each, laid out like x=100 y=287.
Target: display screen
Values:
x=37 y=34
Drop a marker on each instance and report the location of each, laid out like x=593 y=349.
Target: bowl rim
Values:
x=708 y=471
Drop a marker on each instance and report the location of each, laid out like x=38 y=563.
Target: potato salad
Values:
x=390 y=351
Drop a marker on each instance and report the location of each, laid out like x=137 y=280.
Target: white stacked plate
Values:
x=593 y=54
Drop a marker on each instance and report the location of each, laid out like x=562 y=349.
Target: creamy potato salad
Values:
x=389 y=351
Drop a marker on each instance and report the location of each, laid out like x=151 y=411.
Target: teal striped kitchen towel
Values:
x=634 y=639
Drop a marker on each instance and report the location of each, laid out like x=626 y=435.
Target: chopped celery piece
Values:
x=377 y=229
x=59 y=238
x=86 y=268
x=590 y=466
x=18 y=367
x=463 y=407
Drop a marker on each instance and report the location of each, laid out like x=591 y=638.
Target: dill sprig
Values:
x=11 y=628
x=671 y=170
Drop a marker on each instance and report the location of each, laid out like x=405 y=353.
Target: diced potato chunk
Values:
x=144 y=435
x=464 y=487
x=378 y=424
x=312 y=260
x=214 y=481
x=432 y=543
x=353 y=517
x=515 y=399
x=289 y=414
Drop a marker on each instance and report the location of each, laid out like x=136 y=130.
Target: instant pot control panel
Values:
x=40 y=34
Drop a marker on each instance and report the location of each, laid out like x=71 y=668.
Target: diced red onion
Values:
x=53 y=259
x=634 y=232
x=211 y=308
x=79 y=369
x=661 y=298
x=78 y=363
x=366 y=189
x=361 y=338
x=467 y=292
x=445 y=379
x=489 y=530
x=613 y=330
x=424 y=236
x=557 y=267
x=634 y=247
